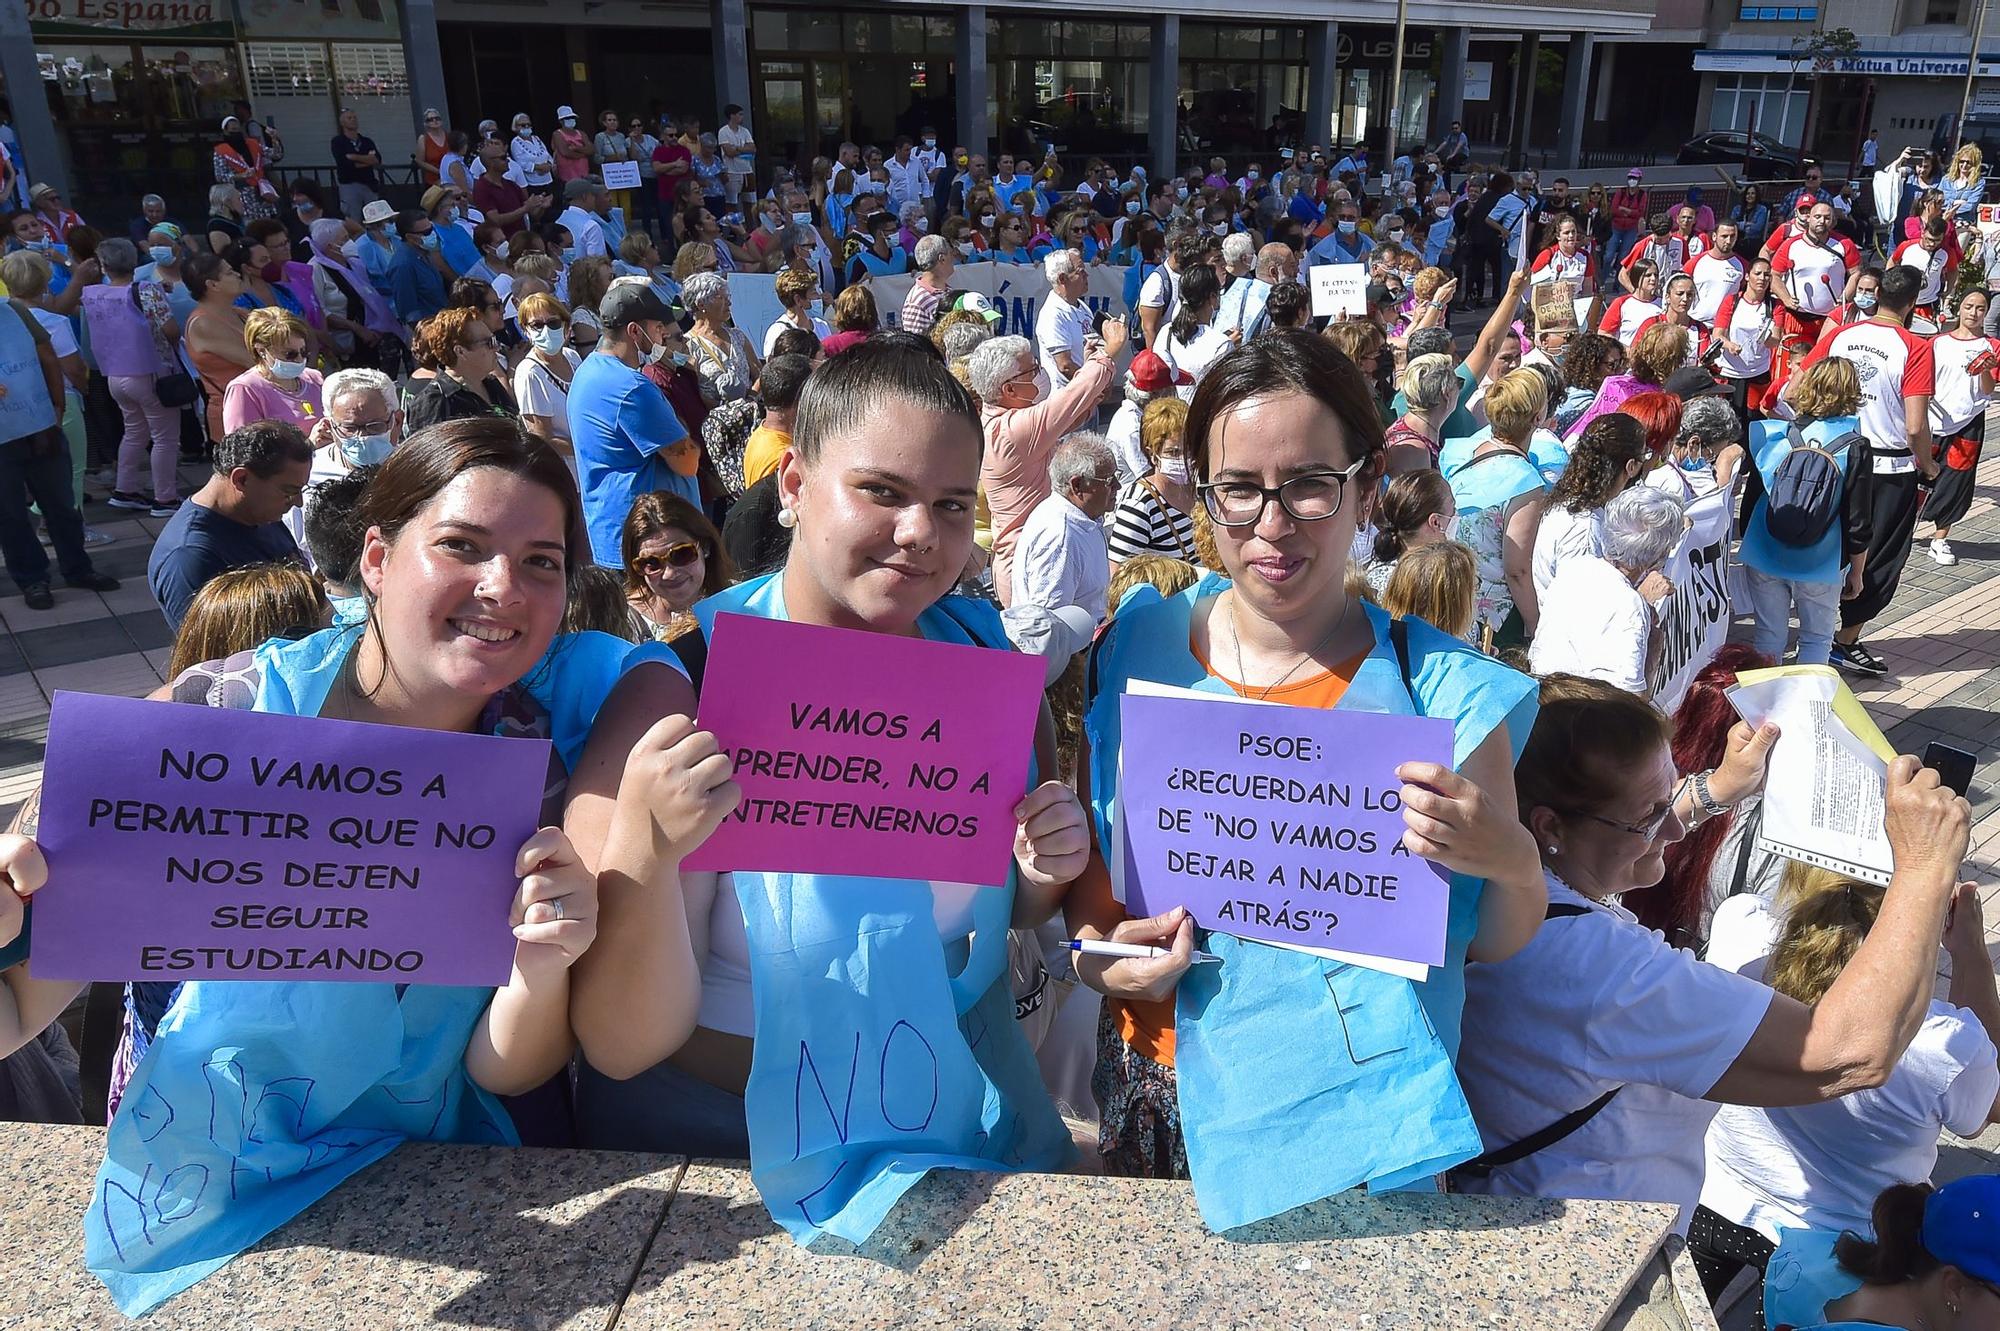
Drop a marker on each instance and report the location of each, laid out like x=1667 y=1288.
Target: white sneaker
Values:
x=1941 y=552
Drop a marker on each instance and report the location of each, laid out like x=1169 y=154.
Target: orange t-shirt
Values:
x=1148 y=1025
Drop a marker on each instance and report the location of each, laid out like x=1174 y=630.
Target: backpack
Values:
x=1805 y=491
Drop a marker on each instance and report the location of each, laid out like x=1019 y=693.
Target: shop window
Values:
x=286 y=69
x=370 y=71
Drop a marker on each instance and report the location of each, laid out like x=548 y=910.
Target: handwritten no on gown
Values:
x=210 y=843
x=867 y=754
x=1281 y=824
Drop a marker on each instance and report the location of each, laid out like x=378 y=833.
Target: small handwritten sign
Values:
x=1281 y=824
x=621 y=175
x=863 y=753
x=208 y=843
x=1339 y=290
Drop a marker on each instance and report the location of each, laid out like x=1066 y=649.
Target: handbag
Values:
x=175 y=387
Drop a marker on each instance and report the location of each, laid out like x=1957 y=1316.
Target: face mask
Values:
x=1041 y=385
x=161 y=253
x=570 y=254
x=964 y=248
x=1864 y=300
x=659 y=355
x=1396 y=237
x=680 y=361
x=430 y=240
x=304 y=208
x=773 y=224
x=1696 y=464
x=451 y=214
x=802 y=219
x=930 y=143
x=524 y=131
x=548 y=341
x=1131 y=207
x=1251 y=176
x=569 y=122
x=921 y=225
x=1441 y=213
x=816 y=307
x=287 y=369
x=1220 y=228
x=1181 y=191
x=1175 y=470
x=39 y=246
x=364 y=450
x=1349 y=228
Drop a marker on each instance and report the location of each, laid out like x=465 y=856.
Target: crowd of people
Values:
x=495 y=463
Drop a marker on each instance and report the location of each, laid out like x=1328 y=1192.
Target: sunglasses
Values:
x=681 y=554
x=542 y=325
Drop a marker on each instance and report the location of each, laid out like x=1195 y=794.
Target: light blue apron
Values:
x=1300 y=1077
x=1802 y=1277
x=257 y=1099
x=881 y=1052
x=26 y=407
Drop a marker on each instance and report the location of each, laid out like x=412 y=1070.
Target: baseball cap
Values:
x=1378 y=294
x=1962 y=1226
x=1149 y=374
x=1690 y=382
x=433 y=196
x=1635 y=174
x=1806 y=201
x=565 y=113
x=581 y=186
x=377 y=211
x=972 y=302
x=632 y=303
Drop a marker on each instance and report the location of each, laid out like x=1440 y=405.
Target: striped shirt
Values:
x=1145 y=524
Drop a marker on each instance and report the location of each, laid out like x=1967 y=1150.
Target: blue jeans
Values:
x=46 y=481
x=1621 y=245
x=1773 y=601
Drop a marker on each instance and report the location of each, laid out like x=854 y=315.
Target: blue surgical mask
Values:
x=802 y=219
x=1131 y=207
x=365 y=450
x=570 y=254
x=451 y=214
x=161 y=253
x=1864 y=300
x=1348 y=228
x=430 y=240
x=1696 y=464
x=680 y=360
x=287 y=369
x=816 y=307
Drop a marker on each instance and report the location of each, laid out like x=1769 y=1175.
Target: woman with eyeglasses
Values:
x=1601 y=1027
x=279 y=387
x=1287 y=452
x=541 y=380
x=468 y=380
x=673 y=557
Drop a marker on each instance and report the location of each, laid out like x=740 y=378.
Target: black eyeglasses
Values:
x=1310 y=498
x=1648 y=829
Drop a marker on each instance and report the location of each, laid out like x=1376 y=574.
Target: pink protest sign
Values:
x=867 y=754
x=206 y=843
x=1281 y=824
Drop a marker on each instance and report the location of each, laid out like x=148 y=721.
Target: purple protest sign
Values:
x=866 y=753
x=209 y=843
x=1280 y=824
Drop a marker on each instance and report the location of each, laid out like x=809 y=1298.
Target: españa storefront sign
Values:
x=93 y=18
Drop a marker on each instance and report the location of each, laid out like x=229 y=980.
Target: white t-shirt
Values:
x=1625 y=316
x=1894 y=364
x=1562 y=536
x=1821 y=1166
x=729 y=142
x=1748 y=325
x=1594 y=623
x=62 y=335
x=1931 y=263
x=1595 y=1001
x=1194 y=356
x=1161 y=291
x=537 y=393
x=820 y=329
x=1818 y=272
x=1956 y=400
x=1061 y=326
x=1123 y=435
x=1713 y=279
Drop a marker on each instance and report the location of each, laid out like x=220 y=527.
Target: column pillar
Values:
x=1451 y=80
x=1576 y=100
x=41 y=151
x=975 y=129
x=1524 y=99
x=1322 y=87
x=421 y=54
x=729 y=34
x=1163 y=107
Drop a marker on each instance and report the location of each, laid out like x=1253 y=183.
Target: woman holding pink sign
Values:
x=1280 y=1077
x=254 y=1099
x=846 y=1032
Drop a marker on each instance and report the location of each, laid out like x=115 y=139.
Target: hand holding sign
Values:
x=681 y=777
x=1452 y=821
x=555 y=911
x=22 y=872
x=1052 y=840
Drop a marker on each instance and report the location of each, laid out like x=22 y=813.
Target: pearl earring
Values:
x=1552 y=850
x=787 y=519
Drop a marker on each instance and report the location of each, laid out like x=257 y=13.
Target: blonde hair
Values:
x=589 y=279
x=26 y=274
x=1826 y=916
x=1437 y=583
x=692 y=258
x=1426 y=283
x=1972 y=160
x=1516 y=405
x=635 y=245
x=1828 y=388
x=792 y=284
x=541 y=305
x=269 y=326
x=1659 y=351
x=541 y=267
x=1164 y=418
x=244 y=607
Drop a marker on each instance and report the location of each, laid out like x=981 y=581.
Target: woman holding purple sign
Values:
x=254 y=1099
x=1280 y=1077
x=719 y=1006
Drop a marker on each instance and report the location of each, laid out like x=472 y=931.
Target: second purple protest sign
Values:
x=1280 y=824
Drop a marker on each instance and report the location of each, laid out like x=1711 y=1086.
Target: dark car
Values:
x=1759 y=156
